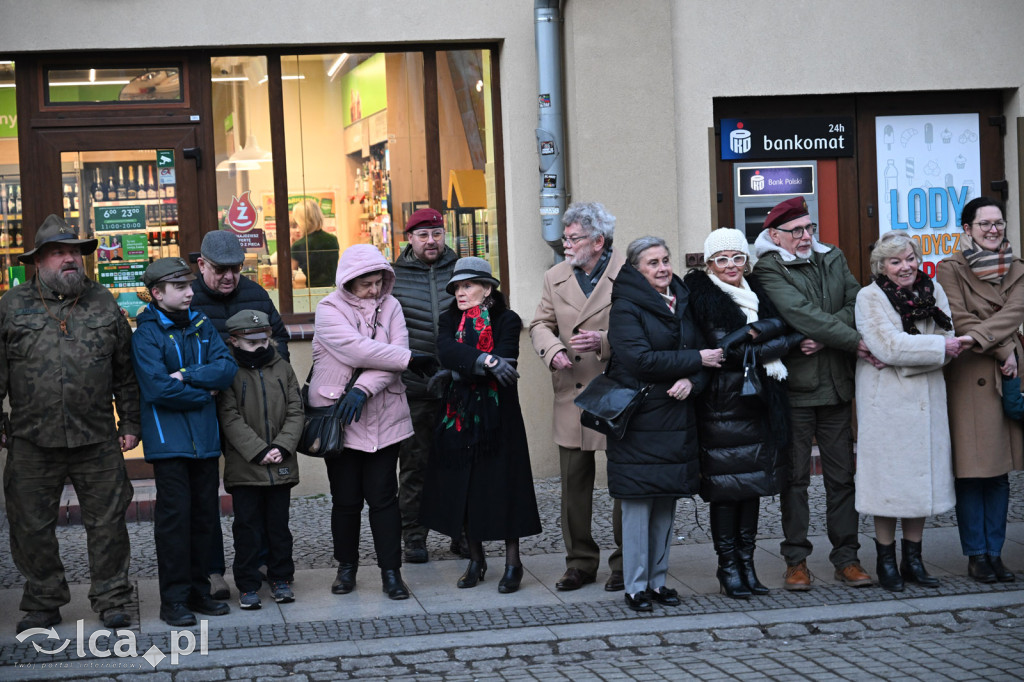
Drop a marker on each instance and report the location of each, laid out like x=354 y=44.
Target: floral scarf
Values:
x=471 y=419
x=917 y=303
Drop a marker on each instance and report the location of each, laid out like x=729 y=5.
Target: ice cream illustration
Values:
x=946 y=136
x=887 y=137
x=932 y=168
x=891 y=178
x=910 y=168
x=961 y=161
x=906 y=135
x=928 y=135
x=949 y=179
x=969 y=185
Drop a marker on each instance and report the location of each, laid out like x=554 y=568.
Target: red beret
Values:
x=424 y=217
x=790 y=209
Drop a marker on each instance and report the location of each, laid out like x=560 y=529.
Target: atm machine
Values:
x=759 y=186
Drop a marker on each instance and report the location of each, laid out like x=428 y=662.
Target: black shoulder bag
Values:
x=607 y=405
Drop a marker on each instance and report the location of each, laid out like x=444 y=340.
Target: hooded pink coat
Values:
x=342 y=343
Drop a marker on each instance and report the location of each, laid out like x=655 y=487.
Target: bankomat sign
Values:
x=787 y=138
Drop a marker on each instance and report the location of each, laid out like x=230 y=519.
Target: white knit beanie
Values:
x=726 y=239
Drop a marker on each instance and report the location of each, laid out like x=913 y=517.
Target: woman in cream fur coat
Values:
x=904 y=463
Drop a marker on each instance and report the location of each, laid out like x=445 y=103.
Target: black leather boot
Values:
x=979 y=569
x=392 y=583
x=1004 y=574
x=746 y=543
x=888 y=573
x=723 y=533
x=912 y=567
x=474 y=574
x=346 y=580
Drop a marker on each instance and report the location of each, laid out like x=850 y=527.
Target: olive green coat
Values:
x=816 y=296
x=985 y=442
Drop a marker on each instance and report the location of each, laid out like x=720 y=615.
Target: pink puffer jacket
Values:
x=342 y=343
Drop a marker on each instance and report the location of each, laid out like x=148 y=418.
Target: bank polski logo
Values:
x=739 y=140
x=757 y=181
x=101 y=644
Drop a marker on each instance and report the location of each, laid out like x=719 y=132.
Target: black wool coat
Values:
x=742 y=438
x=658 y=456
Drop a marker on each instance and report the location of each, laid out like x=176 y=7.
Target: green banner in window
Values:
x=120 y=218
x=123 y=275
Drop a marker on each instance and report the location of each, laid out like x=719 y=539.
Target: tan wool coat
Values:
x=985 y=442
x=904 y=465
x=563 y=310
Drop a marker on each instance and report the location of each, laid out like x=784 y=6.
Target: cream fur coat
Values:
x=904 y=460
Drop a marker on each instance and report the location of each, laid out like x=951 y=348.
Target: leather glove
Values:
x=439 y=382
x=352 y=406
x=423 y=364
x=503 y=371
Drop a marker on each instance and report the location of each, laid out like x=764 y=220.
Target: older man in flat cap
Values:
x=811 y=285
x=65 y=349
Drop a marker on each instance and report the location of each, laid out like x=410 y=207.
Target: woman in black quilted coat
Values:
x=743 y=433
x=654 y=341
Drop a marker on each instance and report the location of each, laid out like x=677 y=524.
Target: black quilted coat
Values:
x=658 y=456
x=742 y=438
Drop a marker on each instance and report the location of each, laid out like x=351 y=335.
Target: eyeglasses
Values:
x=809 y=230
x=985 y=225
x=221 y=270
x=424 y=235
x=725 y=261
x=573 y=240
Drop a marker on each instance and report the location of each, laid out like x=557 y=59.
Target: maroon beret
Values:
x=424 y=217
x=790 y=209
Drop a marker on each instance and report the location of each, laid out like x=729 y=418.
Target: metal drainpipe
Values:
x=550 y=126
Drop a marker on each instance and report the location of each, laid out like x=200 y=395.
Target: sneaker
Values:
x=177 y=614
x=853 y=575
x=282 y=592
x=250 y=601
x=39 y=619
x=219 y=587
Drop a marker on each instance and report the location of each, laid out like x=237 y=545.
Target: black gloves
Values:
x=423 y=364
x=439 y=382
x=503 y=371
x=352 y=406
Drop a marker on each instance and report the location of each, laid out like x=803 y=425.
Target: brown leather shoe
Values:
x=615 y=582
x=853 y=575
x=573 y=579
x=797 y=578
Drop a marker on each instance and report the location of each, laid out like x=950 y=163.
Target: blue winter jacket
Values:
x=179 y=418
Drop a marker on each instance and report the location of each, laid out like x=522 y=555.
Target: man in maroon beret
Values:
x=422 y=272
x=811 y=285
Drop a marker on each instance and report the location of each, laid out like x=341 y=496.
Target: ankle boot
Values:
x=746 y=543
x=723 y=533
x=392 y=583
x=346 y=580
x=912 y=567
x=474 y=574
x=888 y=573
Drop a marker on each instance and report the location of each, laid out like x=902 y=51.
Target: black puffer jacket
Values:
x=420 y=288
x=247 y=296
x=658 y=456
x=742 y=439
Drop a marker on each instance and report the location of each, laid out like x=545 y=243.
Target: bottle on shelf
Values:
x=75 y=203
x=132 y=190
x=17 y=200
x=67 y=198
x=97 y=189
x=150 y=185
x=122 y=189
x=3 y=199
x=111 y=189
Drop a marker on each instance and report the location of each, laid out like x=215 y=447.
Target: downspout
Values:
x=550 y=125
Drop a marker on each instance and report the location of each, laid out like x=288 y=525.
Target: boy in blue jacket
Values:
x=181 y=364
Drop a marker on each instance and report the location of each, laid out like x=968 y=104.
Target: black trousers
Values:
x=356 y=476
x=261 y=512
x=184 y=514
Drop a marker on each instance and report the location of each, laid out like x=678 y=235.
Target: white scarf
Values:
x=746 y=299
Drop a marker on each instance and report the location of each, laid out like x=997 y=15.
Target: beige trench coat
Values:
x=562 y=311
x=985 y=442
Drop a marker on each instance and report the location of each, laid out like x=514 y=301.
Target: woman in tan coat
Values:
x=985 y=286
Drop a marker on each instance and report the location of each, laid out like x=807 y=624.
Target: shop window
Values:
x=159 y=83
x=11 y=233
x=245 y=177
x=466 y=138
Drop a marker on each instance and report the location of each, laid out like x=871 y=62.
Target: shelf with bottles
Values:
x=110 y=182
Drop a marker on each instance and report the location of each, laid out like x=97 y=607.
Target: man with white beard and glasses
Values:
x=65 y=349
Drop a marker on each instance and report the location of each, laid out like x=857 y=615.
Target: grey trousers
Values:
x=646 y=538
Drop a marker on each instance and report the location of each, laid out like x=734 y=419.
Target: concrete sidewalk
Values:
x=440 y=623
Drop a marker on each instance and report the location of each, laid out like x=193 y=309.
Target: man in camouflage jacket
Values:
x=65 y=349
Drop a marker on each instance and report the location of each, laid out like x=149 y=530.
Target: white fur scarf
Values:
x=748 y=303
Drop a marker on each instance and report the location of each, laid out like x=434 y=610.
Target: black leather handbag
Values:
x=751 y=379
x=323 y=434
x=607 y=405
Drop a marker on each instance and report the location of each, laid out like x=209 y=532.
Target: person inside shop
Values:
x=479 y=476
x=316 y=252
x=65 y=350
x=221 y=292
x=743 y=420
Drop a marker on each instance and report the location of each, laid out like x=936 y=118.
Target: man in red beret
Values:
x=811 y=285
x=422 y=272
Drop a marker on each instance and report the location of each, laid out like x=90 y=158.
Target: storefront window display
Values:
x=11 y=233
